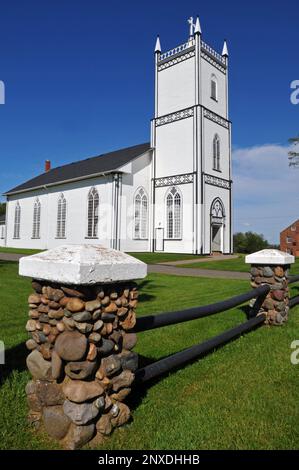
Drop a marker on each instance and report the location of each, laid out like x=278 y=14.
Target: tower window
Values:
x=36 y=219
x=216 y=153
x=17 y=221
x=93 y=213
x=174 y=214
x=61 y=217
x=140 y=215
x=214 y=88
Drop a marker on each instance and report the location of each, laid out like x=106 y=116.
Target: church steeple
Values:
x=225 y=49
x=158 y=45
x=197 y=29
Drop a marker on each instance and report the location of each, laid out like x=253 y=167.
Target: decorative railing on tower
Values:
x=209 y=50
x=191 y=43
x=177 y=50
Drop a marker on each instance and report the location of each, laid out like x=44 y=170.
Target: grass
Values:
x=243 y=396
x=154 y=258
x=235 y=264
x=20 y=251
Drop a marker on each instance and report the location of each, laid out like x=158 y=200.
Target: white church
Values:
x=172 y=194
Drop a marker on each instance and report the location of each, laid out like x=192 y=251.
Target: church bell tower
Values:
x=191 y=138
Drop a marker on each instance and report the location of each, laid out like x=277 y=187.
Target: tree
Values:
x=293 y=155
x=249 y=242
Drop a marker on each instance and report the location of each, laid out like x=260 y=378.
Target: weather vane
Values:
x=192 y=25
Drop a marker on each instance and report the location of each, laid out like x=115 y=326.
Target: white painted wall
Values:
x=76 y=221
x=176 y=87
x=174 y=148
x=207 y=70
x=184 y=245
x=140 y=176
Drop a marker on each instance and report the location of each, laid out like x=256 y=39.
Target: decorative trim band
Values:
x=172 y=117
x=216 y=181
x=173 y=180
x=214 y=62
x=215 y=118
x=176 y=59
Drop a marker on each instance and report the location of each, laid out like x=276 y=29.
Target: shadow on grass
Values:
x=144 y=296
x=15 y=360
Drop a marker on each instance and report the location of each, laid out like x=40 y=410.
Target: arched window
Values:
x=36 y=219
x=93 y=213
x=140 y=214
x=17 y=221
x=216 y=153
x=217 y=209
x=61 y=217
x=174 y=214
x=214 y=88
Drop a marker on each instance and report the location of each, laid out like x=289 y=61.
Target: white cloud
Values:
x=266 y=190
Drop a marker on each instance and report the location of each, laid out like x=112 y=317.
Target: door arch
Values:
x=217 y=226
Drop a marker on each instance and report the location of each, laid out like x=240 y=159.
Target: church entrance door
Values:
x=216 y=238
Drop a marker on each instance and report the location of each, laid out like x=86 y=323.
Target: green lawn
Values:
x=154 y=258
x=243 y=396
x=20 y=251
x=235 y=264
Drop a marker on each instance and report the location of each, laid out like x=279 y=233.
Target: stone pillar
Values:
x=272 y=267
x=81 y=314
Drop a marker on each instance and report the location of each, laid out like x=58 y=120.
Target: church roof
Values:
x=104 y=163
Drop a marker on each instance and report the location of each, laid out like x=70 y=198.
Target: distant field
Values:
x=154 y=258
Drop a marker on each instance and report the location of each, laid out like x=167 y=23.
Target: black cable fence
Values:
x=178 y=359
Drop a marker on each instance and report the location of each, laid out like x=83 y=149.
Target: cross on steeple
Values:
x=192 y=25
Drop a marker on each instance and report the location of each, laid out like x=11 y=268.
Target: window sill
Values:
x=140 y=239
x=214 y=99
x=60 y=238
x=14 y=238
x=35 y=238
x=91 y=238
x=218 y=171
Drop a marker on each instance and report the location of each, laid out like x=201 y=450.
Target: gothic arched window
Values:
x=140 y=214
x=214 y=88
x=17 y=221
x=61 y=217
x=217 y=209
x=93 y=213
x=174 y=214
x=36 y=219
x=216 y=153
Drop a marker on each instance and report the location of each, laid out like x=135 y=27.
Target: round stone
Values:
x=80 y=391
x=71 y=346
x=80 y=413
x=38 y=366
x=56 y=422
x=56 y=363
x=75 y=305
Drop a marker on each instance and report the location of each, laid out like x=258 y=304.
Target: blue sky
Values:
x=79 y=82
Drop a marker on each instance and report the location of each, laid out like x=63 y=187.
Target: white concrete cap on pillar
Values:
x=82 y=265
x=269 y=256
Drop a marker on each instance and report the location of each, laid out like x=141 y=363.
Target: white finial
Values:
x=192 y=25
x=225 y=50
x=158 y=45
x=197 y=29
